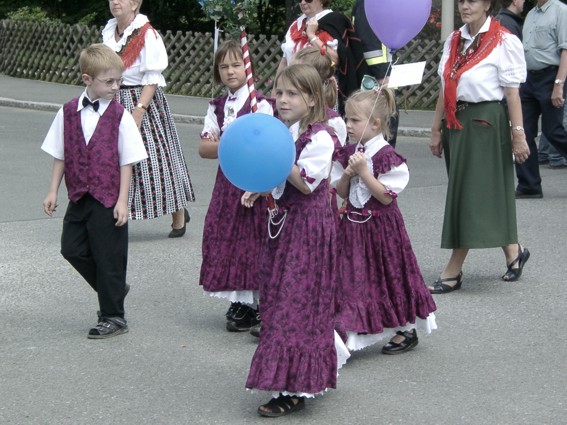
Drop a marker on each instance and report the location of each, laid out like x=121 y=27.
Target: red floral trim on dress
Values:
x=134 y=45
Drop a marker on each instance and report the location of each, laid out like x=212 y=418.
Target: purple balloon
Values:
x=396 y=22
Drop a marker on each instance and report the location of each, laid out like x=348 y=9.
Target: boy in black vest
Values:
x=94 y=143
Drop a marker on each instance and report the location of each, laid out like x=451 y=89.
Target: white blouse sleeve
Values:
x=512 y=62
x=153 y=59
x=53 y=143
x=211 y=124
x=396 y=179
x=315 y=160
x=337 y=172
x=339 y=125
x=264 y=107
x=131 y=147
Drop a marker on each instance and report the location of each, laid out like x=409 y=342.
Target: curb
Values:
x=178 y=118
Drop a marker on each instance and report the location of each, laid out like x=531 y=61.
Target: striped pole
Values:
x=248 y=69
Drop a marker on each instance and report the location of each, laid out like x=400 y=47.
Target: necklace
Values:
x=119 y=34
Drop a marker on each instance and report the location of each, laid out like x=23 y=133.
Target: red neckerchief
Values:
x=134 y=45
x=459 y=62
x=299 y=36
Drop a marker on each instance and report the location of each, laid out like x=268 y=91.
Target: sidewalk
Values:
x=44 y=96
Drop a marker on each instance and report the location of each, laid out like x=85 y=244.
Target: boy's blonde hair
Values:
x=98 y=58
x=326 y=69
x=229 y=48
x=374 y=104
x=306 y=80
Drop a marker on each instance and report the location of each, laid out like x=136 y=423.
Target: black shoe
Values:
x=231 y=310
x=177 y=233
x=511 y=274
x=409 y=342
x=255 y=330
x=526 y=195
x=281 y=406
x=108 y=327
x=243 y=319
x=439 y=287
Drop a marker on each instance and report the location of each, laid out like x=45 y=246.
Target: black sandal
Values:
x=410 y=341
x=439 y=287
x=281 y=406
x=511 y=274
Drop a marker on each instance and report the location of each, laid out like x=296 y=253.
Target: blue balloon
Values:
x=256 y=152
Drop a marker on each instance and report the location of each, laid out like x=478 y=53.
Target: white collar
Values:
x=139 y=21
x=318 y=16
x=238 y=93
x=465 y=29
x=103 y=103
x=373 y=145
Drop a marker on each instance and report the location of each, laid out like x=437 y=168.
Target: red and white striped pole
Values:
x=248 y=69
x=253 y=101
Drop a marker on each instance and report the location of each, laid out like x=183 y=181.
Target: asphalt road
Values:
x=498 y=356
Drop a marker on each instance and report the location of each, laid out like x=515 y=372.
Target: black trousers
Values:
x=535 y=94
x=98 y=250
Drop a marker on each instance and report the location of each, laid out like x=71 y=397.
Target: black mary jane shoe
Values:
x=281 y=406
x=512 y=275
x=410 y=341
x=177 y=233
x=439 y=287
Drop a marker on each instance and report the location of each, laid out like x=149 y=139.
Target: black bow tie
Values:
x=87 y=102
x=232 y=98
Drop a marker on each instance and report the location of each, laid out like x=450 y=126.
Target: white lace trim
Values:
x=359 y=194
x=245 y=297
x=139 y=21
x=357 y=342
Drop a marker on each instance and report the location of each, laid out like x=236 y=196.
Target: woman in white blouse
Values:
x=482 y=64
x=160 y=185
x=332 y=33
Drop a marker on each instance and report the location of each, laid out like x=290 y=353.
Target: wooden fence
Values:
x=50 y=53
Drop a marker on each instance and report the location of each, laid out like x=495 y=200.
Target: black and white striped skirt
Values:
x=160 y=184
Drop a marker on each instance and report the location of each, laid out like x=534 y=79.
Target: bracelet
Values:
x=517 y=128
x=140 y=105
x=313 y=39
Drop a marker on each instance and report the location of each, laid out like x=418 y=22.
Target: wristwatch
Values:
x=142 y=106
x=559 y=82
x=517 y=128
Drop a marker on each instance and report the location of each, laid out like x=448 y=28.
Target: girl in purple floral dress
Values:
x=380 y=289
x=232 y=235
x=296 y=356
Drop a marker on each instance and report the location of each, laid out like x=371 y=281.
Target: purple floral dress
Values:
x=296 y=352
x=233 y=235
x=380 y=288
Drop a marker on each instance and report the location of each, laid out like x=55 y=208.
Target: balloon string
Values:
x=377 y=96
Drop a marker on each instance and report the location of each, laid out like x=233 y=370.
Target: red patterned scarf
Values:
x=299 y=36
x=134 y=45
x=459 y=62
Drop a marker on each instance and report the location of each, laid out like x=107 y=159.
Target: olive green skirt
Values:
x=480 y=209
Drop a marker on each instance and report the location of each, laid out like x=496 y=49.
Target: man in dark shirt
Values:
x=377 y=56
x=509 y=16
